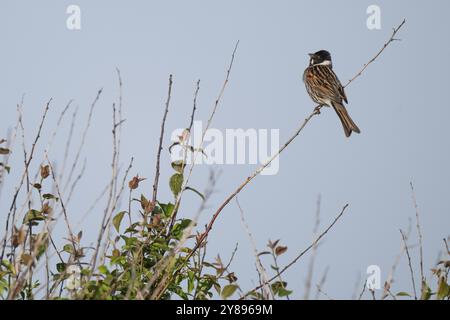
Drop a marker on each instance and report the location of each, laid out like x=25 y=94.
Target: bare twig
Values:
x=319 y=290
x=391 y=39
x=322 y=282
x=301 y=254
x=363 y=290
x=118 y=126
x=390 y=278
x=446 y=246
x=314 y=252
x=83 y=139
x=194 y=108
x=419 y=232
x=93 y=205
x=75 y=182
x=161 y=138
x=114 y=169
x=267 y=292
x=58 y=124
x=68 y=144
x=409 y=263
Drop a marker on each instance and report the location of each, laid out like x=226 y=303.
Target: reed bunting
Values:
x=324 y=88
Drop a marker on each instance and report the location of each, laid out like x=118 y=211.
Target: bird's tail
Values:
x=347 y=122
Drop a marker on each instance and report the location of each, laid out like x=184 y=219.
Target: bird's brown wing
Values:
x=337 y=86
x=323 y=84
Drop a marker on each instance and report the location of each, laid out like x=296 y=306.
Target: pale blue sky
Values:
x=398 y=103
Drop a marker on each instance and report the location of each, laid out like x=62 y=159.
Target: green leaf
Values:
x=178 y=166
x=49 y=196
x=9 y=266
x=103 y=269
x=118 y=219
x=191 y=276
x=284 y=292
x=185 y=223
x=175 y=183
x=228 y=290
x=278 y=286
x=167 y=209
x=32 y=216
x=196 y=191
x=403 y=294
x=178 y=228
x=443 y=289
x=61 y=267
x=426 y=293
x=68 y=248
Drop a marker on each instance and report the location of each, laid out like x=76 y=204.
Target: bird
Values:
x=325 y=89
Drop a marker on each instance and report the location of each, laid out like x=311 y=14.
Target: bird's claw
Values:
x=317 y=109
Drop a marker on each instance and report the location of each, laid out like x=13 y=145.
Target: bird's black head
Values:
x=321 y=56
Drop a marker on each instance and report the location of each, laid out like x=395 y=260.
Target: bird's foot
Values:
x=317 y=109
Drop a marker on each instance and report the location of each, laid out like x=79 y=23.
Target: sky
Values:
x=397 y=103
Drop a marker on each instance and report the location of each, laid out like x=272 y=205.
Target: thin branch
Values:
x=93 y=205
x=58 y=124
x=409 y=263
x=390 y=278
x=68 y=144
x=161 y=137
x=363 y=290
x=321 y=283
x=391 y=39
x=319 y=290
x=83 y=139
x=118 y=126
x=314 y=251
x=419 y=232
x=75 y=182
x=259 y=266
x=301 y=254
x=446 y=246
x=194 y=108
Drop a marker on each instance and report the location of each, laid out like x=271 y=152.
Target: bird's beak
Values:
x=311 y=54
